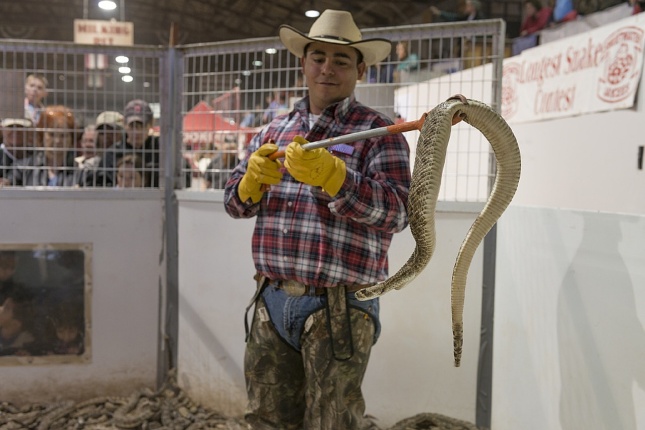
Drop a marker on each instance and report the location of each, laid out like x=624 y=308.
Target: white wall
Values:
x=587 y=162
x=411 y=370
x=569 y=321
x=125 y=231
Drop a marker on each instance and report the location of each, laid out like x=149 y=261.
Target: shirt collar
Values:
x=338 y=110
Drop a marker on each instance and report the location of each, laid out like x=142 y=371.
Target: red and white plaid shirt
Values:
x=303 y=234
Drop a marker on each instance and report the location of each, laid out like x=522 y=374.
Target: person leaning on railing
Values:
x=16 y=143
x=52 y=162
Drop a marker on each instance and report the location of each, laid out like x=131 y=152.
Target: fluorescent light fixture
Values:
x=312 y=13
x=122 y=59
x=127 y=78
x=124 y=69
x=107 y=5
x=257 y=63
x=271 y=51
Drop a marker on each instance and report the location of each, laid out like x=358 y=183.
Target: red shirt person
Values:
x=536 y=17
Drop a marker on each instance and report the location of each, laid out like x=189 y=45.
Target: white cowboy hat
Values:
x=335 y=26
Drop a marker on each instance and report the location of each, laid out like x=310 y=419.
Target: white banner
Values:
x=592 y=72
x=97 y=32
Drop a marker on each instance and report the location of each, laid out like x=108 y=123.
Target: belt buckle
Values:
x=294 y=288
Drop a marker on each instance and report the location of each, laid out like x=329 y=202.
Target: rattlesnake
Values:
x=424 y=192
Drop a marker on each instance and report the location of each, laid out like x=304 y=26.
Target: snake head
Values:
x=459 y=97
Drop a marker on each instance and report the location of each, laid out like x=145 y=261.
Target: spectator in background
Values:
x=110 y=130
x=467 y=10
x=277 y=106
x=221 y=165
x=563 y=11
x=69 y=328
x=130 y=172
x=408 y=62
x=536 y=17
x=637 y=5
x=53 y=162
x=16 y=142
x=88 y=148
x=138 y=118
x=35 y=92
x=16 y=313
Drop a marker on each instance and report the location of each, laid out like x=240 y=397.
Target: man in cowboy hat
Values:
x=323 y=229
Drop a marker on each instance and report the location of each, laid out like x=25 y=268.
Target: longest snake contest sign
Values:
x=595 y=71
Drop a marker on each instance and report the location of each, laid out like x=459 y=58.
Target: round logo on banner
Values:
x=622 y=55
x=510 y=76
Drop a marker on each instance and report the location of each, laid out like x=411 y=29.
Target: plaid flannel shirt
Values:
x=303 y=234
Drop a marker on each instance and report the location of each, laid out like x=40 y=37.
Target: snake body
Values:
x=424 y=192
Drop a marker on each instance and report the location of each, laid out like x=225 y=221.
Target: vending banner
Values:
x=592 y=72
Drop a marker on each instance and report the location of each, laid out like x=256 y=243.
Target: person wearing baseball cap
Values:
x=109 y=131
x=137 y=120
x=322 y=231
x=110 y=128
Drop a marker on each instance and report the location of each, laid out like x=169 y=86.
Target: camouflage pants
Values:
x=307 y=388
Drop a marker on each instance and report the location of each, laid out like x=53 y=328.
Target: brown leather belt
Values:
x=297 y=289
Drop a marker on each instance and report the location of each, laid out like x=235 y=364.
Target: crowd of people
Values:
x=48 y=148
x=544 y=14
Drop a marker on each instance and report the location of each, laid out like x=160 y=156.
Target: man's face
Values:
x=35 y=90
x=88 y=143
x=106 y=136
x=331 y=73
x=137 y=133
x=15 y=137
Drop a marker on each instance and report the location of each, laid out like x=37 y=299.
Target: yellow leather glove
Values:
x=260 y=171
x=316 y=167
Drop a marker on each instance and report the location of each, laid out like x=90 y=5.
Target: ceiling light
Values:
x=271 y=51
x=127 y=78
x=124 y=69
x=107 y=5
x=122 y=59
x=246 y=73
x=257 y=63
x=312 y=13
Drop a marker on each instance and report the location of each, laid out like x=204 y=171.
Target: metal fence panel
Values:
x=223 y=93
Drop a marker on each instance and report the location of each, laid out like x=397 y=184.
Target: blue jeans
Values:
x=289 y=314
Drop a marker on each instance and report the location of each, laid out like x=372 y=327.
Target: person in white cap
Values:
x=322 y=232
x=16 y=142
x=109 y=130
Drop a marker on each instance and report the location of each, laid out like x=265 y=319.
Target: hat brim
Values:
x=134 y=118
x=373 y=50
x=12 y=122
